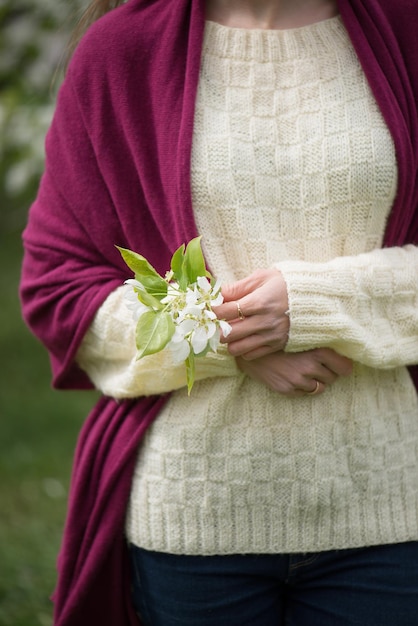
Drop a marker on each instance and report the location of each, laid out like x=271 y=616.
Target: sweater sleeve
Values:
x=364 y=307
x=108 y=355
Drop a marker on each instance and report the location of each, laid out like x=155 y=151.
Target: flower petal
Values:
x=187 y=325
x=215 y=340
x=203 y=284
x=217 y=301
x=135 y=284
x=209 y=314
x=210 y=329
x=180 y=350
x=199 y=340
x=225 y=327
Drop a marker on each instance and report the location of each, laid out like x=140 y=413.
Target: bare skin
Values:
x=258 y=340
x=299 y=373
x=270 y=14
x=262 y=298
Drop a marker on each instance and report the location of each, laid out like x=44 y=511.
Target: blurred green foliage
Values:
x=33 y=35
x=38 y=426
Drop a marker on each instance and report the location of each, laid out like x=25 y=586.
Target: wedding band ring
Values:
x=240 y=313
x=315 y=391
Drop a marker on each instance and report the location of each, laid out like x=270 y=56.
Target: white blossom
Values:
x=196 y=327
x=179 y=346
x=132 y=301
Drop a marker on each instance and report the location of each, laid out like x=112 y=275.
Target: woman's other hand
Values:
x=256 y=308
x=299 y=373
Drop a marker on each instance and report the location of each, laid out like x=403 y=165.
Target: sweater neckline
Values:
x=273 y=44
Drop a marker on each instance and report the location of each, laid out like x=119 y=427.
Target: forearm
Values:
x=108 y=355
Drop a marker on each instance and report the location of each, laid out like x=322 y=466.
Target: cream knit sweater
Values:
x=292 y=165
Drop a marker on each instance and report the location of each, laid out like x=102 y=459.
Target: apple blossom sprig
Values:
x=175 y=311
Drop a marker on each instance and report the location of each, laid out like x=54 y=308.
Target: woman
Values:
x=284 y=490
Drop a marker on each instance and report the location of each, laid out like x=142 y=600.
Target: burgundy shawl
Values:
x=118 y=172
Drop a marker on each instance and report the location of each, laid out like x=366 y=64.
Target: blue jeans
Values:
x=375 y=586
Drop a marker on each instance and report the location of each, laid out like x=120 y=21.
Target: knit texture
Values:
x=292 y=165
x=108 y=354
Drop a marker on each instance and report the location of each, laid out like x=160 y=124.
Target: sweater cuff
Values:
x=313 y=305
x=108 y=355
x=364 y=307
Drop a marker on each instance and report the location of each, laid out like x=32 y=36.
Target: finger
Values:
x=235 y=291
x=257 y=353
x=340 y=365
x=297 y=392
x=263 y=342
x=227 y=311
x=244 y=286
x=324 y=374
x=317 y=388
x=244 y=329
x=234 y=310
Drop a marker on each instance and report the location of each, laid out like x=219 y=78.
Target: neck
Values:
x=270 y=14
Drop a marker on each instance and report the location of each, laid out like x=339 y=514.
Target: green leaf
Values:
x=149 y=300
x=177 y=267
x=153 y=332
x=194 y=262
x=190 y=371
x=188 y=263
x=144 y=273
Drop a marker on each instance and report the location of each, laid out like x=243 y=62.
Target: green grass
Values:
x=38 y=431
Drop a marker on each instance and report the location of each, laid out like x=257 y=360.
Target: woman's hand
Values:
x=256 y=308
x=298 y=373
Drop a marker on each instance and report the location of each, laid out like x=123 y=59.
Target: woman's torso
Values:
x=291 y=160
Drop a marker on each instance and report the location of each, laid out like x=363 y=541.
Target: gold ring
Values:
x=240 y=313
x=315 y=391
